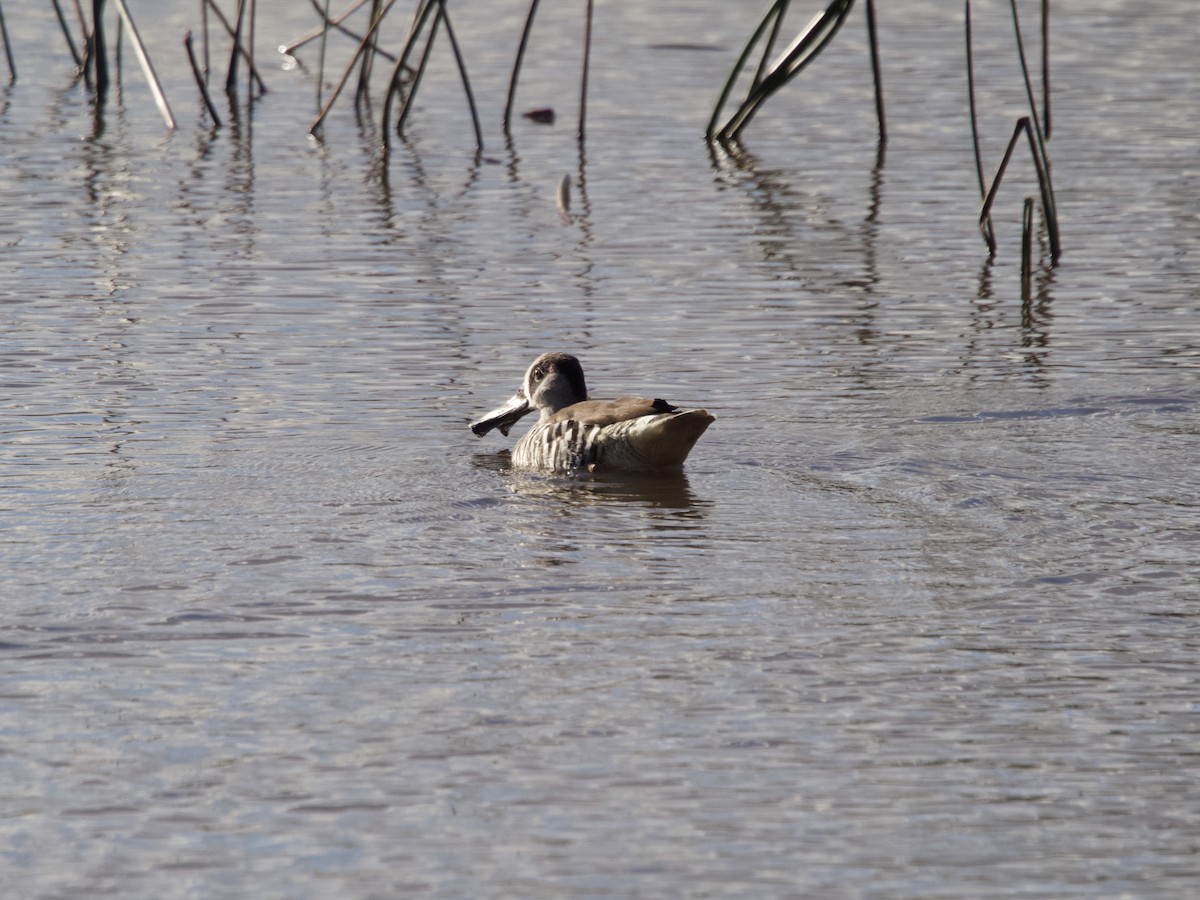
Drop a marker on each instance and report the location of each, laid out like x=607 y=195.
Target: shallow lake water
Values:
x=919 y=619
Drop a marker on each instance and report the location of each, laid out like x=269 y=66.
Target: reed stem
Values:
x=321 y=55
x=336 y=22
x=772 y=13
x=462 y=69
x=1041 y=159
x=583 y=81
x=365 y=42
x=237 y=45
x=769 y=47
x=421 y=66
x=66 y=30
x=12 y=65
x=1023 y=125
x=1046 y=67
x=160 y=98
x=516 y=69
x=208 y=104
x=204 y=36
x=231 y=74
x=876 y=71
x=989 y=232
x=424 y=10
x=362 y=91
x=97 y=53
x=803 y=50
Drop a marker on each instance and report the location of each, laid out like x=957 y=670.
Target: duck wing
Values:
x=610 y=412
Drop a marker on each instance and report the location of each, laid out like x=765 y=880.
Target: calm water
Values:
x=920 y=620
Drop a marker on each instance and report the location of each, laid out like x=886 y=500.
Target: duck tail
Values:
x=664 y=441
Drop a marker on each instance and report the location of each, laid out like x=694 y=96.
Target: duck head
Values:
x=553 y=381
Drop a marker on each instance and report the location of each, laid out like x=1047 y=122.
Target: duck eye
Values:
x=538 y=374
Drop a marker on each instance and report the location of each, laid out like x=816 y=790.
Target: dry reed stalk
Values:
x=231 y=73
x=989 y=232
x=253 y=27
x=420 y=17
x=365 y=42
x=1041 y=159
x=803 y=50
x=362 y=91
x=773 y=15
x=160 y=98
x=462 y=69
x=516 y=69
x=769 y=47
x=204 y=35
x=335 y=22
x=66 y=30
x=208 y=104
x=96 y=53
x=876 y=71
x=583 y=80
x=424 y=10
x=406 y=105
x=237 y=45
x=585 y=73
x=12 y=66
x=321 y=54
x=1043 y=176
x=1046 y=67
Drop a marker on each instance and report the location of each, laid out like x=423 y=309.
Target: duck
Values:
x=575 y=434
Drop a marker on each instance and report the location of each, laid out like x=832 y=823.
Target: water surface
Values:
x=919 y=619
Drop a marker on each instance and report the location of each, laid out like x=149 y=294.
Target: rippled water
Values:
x=919 y=620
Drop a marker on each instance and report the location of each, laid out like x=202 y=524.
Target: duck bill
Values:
x=503 y=417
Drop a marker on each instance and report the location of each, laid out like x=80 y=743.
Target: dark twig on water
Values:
x=562 y=199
